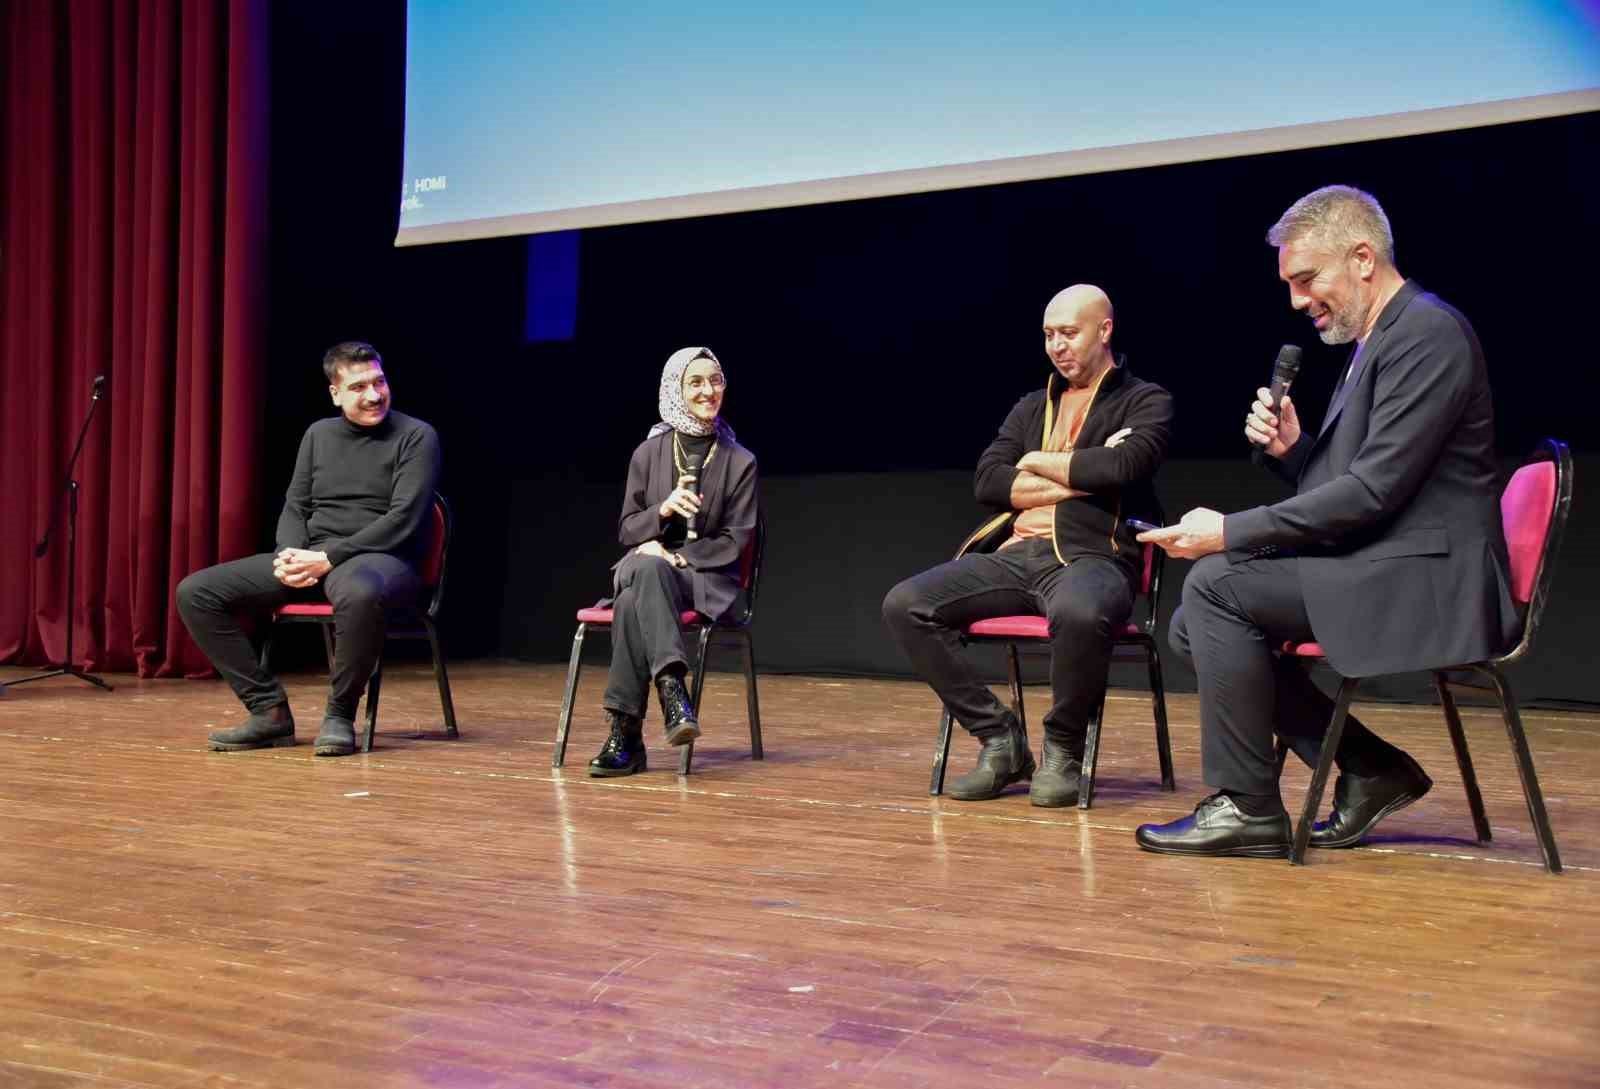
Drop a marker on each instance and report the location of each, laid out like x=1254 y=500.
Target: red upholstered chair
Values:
x=420 y=623
x=731 y=629
x=1135 y=642
x=1533 y=509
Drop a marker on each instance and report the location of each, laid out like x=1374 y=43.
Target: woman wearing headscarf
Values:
x=686 y=538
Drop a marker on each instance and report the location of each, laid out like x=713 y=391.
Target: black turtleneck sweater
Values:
x=361 y=489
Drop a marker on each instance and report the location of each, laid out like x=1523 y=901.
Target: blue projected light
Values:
x=549 y=115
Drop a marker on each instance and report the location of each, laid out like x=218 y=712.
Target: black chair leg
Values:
x=1091 y=755
x=1458 y=739
x=941 y=752
x=1530 y=778
x=686 y=753
x=442 y=678
x=1319 y=777
x=752 y=701
x=1014 y=671
x=327 y=643
x=374 y=687
x=1158 y=705
x=564 y=721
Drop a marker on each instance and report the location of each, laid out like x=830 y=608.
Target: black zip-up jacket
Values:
x=1119 y=480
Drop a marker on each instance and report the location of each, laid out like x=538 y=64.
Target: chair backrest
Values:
x=1155 y=561
x=437 y=529
x=1533 y=510
x=750 y=567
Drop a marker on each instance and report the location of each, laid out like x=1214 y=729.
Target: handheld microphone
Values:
x=691 y=475
x=1284 y=371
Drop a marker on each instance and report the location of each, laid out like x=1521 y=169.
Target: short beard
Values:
x=1343 y=328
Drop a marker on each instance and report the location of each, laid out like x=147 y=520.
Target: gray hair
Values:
x=1338 y=216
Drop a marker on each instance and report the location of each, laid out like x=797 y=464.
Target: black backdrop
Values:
x=872 y=347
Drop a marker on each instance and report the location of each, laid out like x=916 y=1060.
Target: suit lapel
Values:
x=1341 y=392
x=1369 y=354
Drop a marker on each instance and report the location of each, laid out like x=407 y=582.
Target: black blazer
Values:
x=727 y=520
x=1396 y=516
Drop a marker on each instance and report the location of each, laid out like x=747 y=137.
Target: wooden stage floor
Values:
x=457 y=914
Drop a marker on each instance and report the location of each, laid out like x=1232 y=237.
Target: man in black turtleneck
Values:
x=350 y=533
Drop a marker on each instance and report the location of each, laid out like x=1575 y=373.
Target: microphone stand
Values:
x=70 y=487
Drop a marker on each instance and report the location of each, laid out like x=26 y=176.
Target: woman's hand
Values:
x=654 y=548
x=683 y=500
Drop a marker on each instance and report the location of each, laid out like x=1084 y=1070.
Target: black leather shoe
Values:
x=1219 y=827
x=1003 y=760
x=1359 y=803
x=256 y=732
x=623 y=753
x=1055 y=783
x=681 y=725
x=336 y=738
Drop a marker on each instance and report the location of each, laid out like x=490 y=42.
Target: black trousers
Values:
x=1085 y=601
x=1234 y=615
x=362 y=590
x=645 y=635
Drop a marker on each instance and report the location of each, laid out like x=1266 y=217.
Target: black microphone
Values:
x=1284 y=370
x=691 y=476
x=99 y=383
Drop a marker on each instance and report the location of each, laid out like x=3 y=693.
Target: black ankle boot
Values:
x=681 y=725
x=623 y=753
x=1003 y=760
x=1055 y=783
x=336 y=738
x=260 y=731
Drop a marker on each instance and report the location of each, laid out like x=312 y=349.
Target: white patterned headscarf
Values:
x=675 y=414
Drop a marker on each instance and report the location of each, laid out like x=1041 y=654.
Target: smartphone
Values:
x=1141 y=527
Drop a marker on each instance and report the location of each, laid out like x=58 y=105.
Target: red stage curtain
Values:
x=133 y=139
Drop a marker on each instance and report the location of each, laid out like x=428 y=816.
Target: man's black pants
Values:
x=645 y=635
x=362 y=590
x=1234 y=615
x=1086 y=601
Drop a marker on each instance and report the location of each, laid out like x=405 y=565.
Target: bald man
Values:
x=1071 y=463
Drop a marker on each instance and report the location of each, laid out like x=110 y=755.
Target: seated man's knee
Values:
x=899 y=602
x=361 y=592
x=194 y=595
x=1075 y=619
x=1203 y=576
x=186 y=592
x=1178 y=636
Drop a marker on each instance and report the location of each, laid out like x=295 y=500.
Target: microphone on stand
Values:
x=96 y=388
x=691 y=475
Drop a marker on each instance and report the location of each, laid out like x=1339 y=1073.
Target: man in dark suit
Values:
x=1390 y=554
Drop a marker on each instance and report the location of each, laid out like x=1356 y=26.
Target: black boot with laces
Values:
x=676 y=709
x=623 y=753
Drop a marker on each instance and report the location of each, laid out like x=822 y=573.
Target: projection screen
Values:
x=529 y=117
